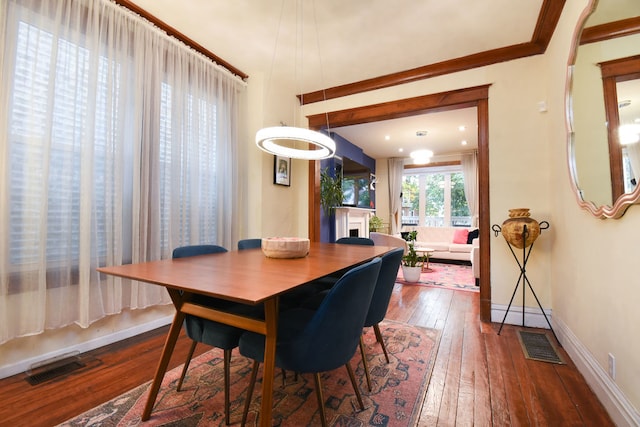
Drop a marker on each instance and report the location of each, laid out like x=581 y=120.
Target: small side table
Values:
x=425 y=252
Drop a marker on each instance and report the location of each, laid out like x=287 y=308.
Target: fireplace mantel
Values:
x=353 y=220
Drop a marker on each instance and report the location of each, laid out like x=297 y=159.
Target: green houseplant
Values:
x=331 y=194
x=411 y=258
x=411 y=261
x=375 y=223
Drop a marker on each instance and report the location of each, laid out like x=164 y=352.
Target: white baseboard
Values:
x=533 y=317
x=24 y=365
x=617 y=405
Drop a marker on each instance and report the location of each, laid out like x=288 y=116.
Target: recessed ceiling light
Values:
x=462 y=128
x=400 y=150
x=464 y=142
x=387 y=137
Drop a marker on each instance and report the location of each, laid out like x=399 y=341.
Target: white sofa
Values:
x=440 y=239
x=475 y=260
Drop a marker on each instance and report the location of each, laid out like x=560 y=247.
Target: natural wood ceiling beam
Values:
x=547 y=20
x=444 y=101
x=610 y=30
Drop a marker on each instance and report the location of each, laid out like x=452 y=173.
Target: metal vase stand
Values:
x=523 y=275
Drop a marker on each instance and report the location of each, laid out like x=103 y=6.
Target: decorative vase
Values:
x=411 y=274
x=513 y=227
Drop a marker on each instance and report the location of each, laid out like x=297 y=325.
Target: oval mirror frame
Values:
x=621 y=203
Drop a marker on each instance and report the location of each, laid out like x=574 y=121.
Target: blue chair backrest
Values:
x=355 y=241
x=384 y=286
x=249 y=244
x=331 y=337
x=193 y=250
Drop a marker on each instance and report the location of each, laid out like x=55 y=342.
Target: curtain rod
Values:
x=183 y=38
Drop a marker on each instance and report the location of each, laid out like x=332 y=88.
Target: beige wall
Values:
x=596 y=289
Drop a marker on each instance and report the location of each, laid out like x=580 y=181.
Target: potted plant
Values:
x=412 y=264
x=375 y=223
x=331 y=194
x=411 y=261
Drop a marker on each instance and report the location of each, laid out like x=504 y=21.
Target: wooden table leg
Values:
x=167 y=351
x=271 y=319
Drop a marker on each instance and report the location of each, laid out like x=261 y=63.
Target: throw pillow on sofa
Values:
x=472 y=235
x=460 y=236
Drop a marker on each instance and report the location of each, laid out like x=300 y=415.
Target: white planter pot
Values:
x=411 y=274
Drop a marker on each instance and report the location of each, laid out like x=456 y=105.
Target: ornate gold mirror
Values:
x=603 y=108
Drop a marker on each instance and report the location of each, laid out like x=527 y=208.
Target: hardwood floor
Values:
x=479 y=378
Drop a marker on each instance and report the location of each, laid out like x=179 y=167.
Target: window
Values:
x=356 y=191
x=118 y=145
x=194 y=161
x=434 y=197
x=47 y=142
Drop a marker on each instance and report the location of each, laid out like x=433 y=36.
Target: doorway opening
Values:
x=462 y=98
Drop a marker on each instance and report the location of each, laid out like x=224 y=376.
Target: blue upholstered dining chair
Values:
x=390 y=263
x=249 y=244
x=315 y=341
x=380 y=302
x=209 y=332
x=355 y=241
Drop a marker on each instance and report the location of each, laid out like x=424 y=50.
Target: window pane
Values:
x=348 y=191
x=410 y=199
x=363 y=193
x=442 y=198
x=435 y=200
x=459 y=207
x=46 y=145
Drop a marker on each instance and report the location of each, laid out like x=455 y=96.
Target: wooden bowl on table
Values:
x=285 y=247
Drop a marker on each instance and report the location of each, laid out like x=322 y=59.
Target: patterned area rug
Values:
x=396 y=399
x=451 y=276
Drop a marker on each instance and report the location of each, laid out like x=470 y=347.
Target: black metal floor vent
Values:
x=53 y=369
x=536 y=346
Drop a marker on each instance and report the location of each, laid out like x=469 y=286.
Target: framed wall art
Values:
x=282 y=170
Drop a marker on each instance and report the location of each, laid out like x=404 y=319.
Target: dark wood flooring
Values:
x=479 y=378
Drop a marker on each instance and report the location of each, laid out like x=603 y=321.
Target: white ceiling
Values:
x=357 y=40
x=443 y=135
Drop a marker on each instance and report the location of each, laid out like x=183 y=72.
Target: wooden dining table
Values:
x=246 y=277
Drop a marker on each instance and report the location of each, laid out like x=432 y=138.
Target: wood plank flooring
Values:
x=479 y=378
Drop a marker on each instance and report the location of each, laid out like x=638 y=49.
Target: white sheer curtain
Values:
x=395 y=169
x=117 y=144
x=470 y=172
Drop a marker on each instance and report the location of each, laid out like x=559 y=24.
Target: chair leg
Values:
x=186 y=364
x=252 y=383
x=364 y=363
x=227 y=380
x=355 y=385
x=318 y=382
x=376 y=329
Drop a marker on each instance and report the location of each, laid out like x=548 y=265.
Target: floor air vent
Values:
x=50 y=369
x=536 y=346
